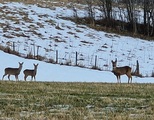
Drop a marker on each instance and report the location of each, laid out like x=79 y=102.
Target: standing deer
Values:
x=32 y=73
x=118 y=71
x=13 y=71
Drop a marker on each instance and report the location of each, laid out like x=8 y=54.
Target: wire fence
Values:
x=73 y=58
x=62 y=57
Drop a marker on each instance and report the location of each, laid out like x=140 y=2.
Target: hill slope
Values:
x=29 y=26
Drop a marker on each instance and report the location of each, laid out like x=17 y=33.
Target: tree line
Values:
x=134 y=16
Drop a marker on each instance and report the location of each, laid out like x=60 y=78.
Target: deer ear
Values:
x=20 y=62
x=36 y=64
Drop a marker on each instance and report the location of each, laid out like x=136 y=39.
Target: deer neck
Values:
x=114 y=68
x=19 y=69
x=35 y=70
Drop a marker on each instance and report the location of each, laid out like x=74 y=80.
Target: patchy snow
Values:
x=29 y=25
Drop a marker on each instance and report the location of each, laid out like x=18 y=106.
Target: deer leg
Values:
x=34 y=78
x=4 y=76
x=129 y=78
x=119 y=79
x=25 y=77
x=16 y=76
x=9 y=76
x=31 y=78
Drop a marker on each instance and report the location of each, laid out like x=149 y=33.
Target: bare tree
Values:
x=127 y=17
x=91 y=13
x=106 y=7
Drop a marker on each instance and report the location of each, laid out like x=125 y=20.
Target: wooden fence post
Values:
x=56 y=56
x=34 y=50
x=76 y=58
x=13 y=46
x=38 y=51
x=95 y=61
x=137 y=71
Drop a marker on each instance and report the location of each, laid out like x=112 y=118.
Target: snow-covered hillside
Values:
x=30 y=25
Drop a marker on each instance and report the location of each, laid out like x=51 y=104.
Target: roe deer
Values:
x=13 y=71
x=118 y=71
x=29 y=72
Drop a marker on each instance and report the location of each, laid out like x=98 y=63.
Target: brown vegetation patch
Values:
x=86 y=42
x=8 y=36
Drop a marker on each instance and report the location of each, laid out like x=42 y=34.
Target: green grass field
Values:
x=76 y=101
